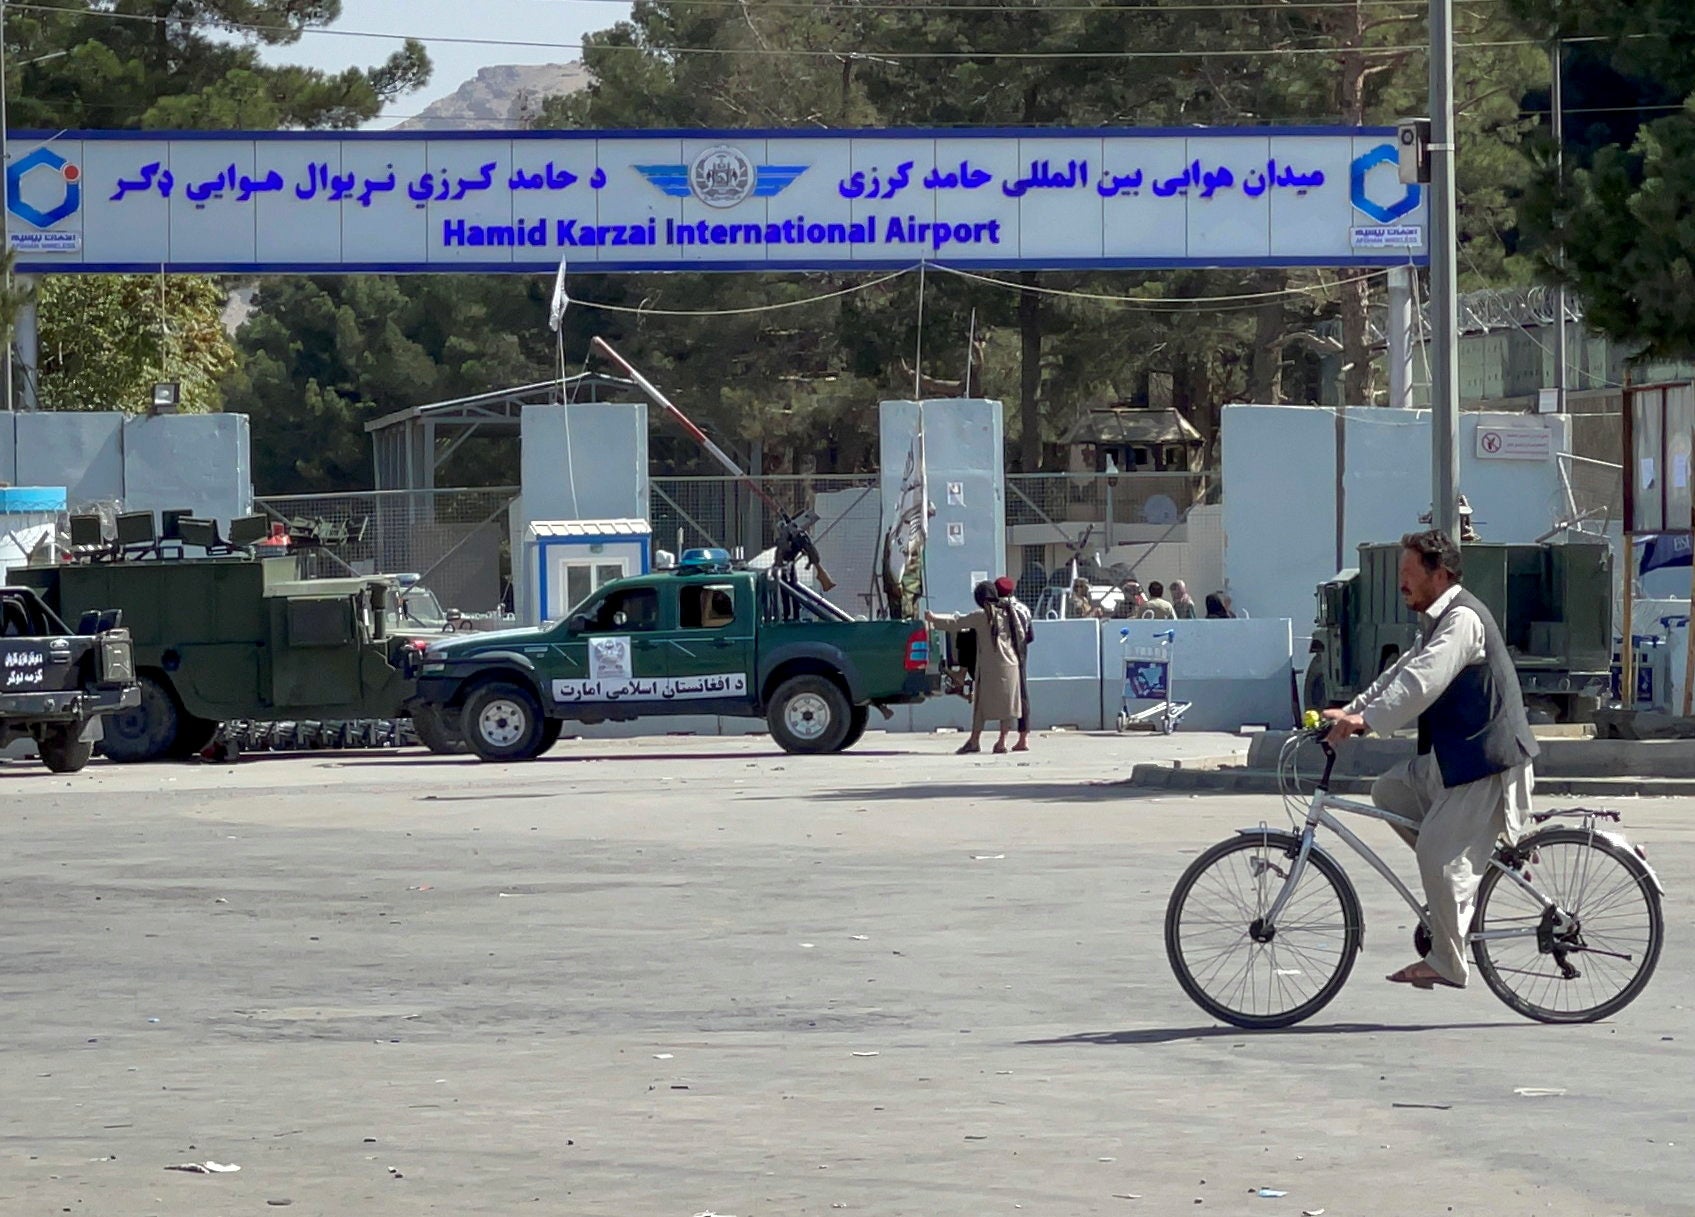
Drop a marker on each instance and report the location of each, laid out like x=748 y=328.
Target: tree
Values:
x=188 y=64
x=192 y=64
x=106 y=339
x=323 y=356
x=1618 y=228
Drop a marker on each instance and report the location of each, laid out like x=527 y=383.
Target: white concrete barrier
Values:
x=1234 y=673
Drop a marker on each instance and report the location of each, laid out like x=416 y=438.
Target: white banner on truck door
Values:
x=662 y=688
x=992 y=198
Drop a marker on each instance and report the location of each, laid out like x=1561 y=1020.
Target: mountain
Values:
x=489 y=100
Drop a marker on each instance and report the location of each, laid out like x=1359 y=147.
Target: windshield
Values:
x=420 y=606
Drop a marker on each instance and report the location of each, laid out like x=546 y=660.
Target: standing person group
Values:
x=1004 y=632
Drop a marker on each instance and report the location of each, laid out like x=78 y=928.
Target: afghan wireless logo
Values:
x=1359 y=191
x=43 y=188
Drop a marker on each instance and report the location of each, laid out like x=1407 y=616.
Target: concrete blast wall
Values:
x=197 y=461
x=964 y=463
x=1284 y=505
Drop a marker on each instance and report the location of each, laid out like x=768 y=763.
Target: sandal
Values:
x=1021 y=747
x=963 y=749
x=1000 y=749
x=1406 y=977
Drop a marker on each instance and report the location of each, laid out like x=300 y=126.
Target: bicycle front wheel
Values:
x=1228 y=962
x=1578 y=971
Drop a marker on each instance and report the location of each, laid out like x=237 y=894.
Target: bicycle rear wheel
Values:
x=1220 y=952
x=1585 y=971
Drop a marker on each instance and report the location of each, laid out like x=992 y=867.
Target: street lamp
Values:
x=167 y=395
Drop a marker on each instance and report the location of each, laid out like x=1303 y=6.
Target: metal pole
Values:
x=1400 y=338
x=918 y=354
x=1562 y=356
x=682 y=420
x=1444 y=277
x=26 y=343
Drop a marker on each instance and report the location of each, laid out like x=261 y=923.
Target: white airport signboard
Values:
x=1002 y=199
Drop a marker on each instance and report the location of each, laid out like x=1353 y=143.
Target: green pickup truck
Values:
x=703 y=639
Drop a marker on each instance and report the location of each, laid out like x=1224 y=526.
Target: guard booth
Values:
x=566 y=560
x=29 y=520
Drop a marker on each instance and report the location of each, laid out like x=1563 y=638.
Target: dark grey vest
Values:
x=1477 y=727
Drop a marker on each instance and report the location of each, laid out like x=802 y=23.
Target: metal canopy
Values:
x=1124 y=424
x=408 y=446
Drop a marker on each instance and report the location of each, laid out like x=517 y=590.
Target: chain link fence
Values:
x=1155 y=499
x=723 y=513
x=458 y=540
x=1597 y=494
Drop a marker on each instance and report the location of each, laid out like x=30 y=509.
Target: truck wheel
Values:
x=194 y=736
x=439 y=730
x=551 y=729
x=1316 y=693
x=857 y=722
x=503 y=722
x=809 y=714
x=144 y=732
x=62 y=752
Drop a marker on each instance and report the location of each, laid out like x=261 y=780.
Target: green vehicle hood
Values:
x=463 y=645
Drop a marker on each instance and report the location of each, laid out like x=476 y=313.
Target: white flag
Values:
x=904 y=546
x=561 y=301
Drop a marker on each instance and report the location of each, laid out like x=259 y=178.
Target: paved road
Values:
x=685 y=976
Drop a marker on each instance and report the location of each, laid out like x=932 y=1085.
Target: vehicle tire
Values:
x=1613 y=899
x=503 y=722
x=143 y=732
x=858 y=720
x=1209 y=936
x=438 y=729
x=809 y=714
x=61 y=751
x=551 y=729
x=194 y=735
x=1316 y=693
x=1540 y=708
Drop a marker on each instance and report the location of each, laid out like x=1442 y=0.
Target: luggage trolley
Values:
x=1147 y=678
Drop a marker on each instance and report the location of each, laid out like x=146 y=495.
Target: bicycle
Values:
x=1283 y=927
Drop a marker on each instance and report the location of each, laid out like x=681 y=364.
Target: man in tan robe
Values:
x=994 y=693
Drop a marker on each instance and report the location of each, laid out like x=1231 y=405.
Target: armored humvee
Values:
x=1552 y=602
x=231 y=637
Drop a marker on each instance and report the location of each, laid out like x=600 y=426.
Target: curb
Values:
x=1264 y=781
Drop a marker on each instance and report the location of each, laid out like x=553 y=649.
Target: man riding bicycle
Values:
x=1471 y=780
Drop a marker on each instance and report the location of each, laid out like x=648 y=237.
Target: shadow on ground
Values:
x=1083 y=791
x=1169 y=1035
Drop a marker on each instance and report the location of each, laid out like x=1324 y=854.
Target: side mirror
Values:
x=577 y=624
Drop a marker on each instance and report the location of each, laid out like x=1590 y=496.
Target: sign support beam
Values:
x=1444 y=278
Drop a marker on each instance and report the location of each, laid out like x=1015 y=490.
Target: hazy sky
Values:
x=549 y=21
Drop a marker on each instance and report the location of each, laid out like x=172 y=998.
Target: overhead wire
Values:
x=1166 y=304
x=856 y=55
x=1170 y=304
x=644 y=311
